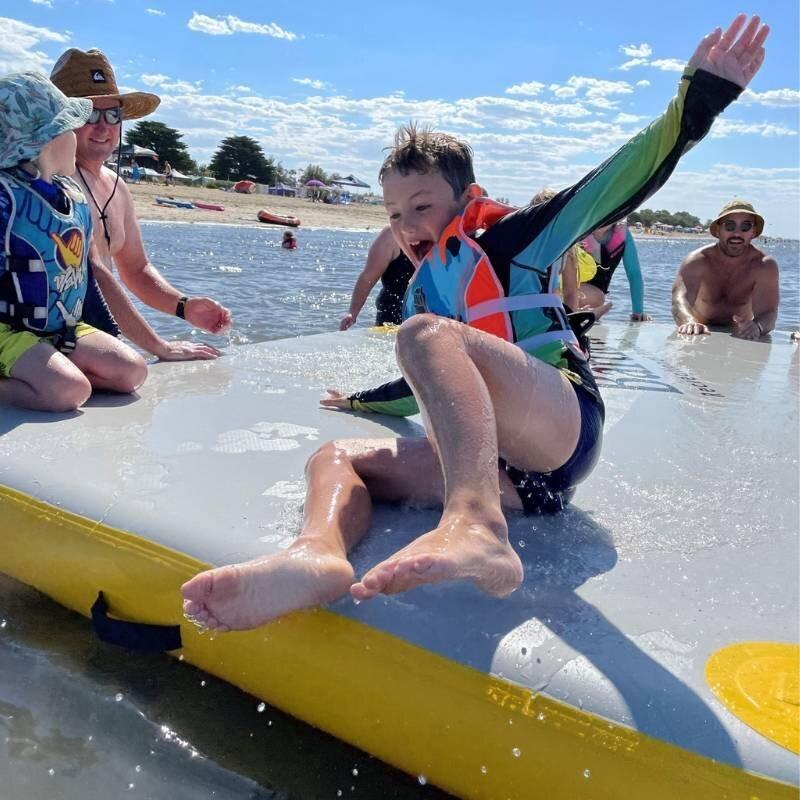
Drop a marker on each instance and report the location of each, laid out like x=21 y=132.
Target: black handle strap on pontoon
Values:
x=133 y=635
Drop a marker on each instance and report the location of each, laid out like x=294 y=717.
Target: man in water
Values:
x=730 y=283
x=118 y=238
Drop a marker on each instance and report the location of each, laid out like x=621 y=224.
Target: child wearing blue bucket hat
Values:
x=49 y=359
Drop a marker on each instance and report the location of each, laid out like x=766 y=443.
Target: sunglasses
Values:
x=112 y=116
x=731 y=226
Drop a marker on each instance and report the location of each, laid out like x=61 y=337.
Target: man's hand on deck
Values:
x=207 y=314
x=745 y=328
x=692 y=328
x=187 y=351
x=735 y=55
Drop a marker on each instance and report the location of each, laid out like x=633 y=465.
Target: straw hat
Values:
x=90 y=74
x=737 y=207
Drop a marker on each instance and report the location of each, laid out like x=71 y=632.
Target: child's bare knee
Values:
x=68 y=393
x=130 y=374
x=328 y=454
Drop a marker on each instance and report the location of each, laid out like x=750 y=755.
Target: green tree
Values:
x=165 y=141
x=241 y=158
x=313 y=172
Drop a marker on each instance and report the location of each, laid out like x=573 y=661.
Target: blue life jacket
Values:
x=45 y=253
x=457 y=280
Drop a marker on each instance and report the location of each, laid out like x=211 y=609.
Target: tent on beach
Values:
x=351 y=180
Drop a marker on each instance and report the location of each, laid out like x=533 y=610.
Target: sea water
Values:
x=79 y=719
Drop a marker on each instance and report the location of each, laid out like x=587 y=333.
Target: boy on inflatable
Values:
x=49 y=359
x=492 y=361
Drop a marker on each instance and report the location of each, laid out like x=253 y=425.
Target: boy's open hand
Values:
x=735 y=55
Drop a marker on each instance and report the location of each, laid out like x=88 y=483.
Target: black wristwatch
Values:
x=180 y=309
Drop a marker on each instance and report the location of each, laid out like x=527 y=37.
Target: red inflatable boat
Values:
x=277 y=219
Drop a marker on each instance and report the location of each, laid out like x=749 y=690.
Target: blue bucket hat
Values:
x=32 y=113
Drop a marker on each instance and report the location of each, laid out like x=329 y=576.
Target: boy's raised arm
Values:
x=721 y=66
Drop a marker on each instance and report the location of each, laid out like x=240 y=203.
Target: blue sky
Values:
x=542 y=91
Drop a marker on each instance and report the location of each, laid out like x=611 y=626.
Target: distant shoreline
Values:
x=241 y=209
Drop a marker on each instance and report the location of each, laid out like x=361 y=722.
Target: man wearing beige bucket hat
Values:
x=89 y=74
x=730 y=283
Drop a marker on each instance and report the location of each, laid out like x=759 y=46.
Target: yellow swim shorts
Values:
x=15 y=343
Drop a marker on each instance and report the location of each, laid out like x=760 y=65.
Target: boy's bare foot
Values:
x=244 y=596
x=456 y=550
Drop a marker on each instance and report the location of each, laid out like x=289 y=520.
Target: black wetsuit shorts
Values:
x=549 y=492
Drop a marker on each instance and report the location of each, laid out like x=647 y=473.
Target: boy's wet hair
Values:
x=423 y=150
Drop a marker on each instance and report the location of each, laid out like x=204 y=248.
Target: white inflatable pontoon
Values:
x=651 y=651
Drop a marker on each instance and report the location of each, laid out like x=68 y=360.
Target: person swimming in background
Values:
x=386 y=263
x=289 y=242
x=608 y=245
x=511 y=409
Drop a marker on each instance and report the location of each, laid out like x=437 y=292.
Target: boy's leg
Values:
x=108 y=363
x=43 y=379
x=343 y=478
x=481 y=396
x=314 y=569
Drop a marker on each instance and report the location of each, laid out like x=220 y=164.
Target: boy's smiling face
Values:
x=419 y=206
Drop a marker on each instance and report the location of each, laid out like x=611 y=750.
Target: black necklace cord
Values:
x=102 y=211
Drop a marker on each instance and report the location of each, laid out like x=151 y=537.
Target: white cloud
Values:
x=155 y=12
x=636 y=51
x=18 y=46
x=531 y=88
x=669 y=64
x=227 y=26
x=634 y=62
x=725 y=127
x=643 y=83
x=772 y=97
x=595 y=91
x=312 y=83
x=48 y=3
x=623 y=118
x=167 y=84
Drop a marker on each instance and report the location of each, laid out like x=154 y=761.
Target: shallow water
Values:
x=79 y=719
x=275 y=293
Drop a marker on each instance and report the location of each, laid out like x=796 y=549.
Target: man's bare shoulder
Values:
x=697 y=259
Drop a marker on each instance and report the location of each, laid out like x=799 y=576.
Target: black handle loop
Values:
x=133 y=635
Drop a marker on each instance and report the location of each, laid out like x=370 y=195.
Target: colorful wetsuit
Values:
x=46 y=229
x=394 y=283
x=532 y=239
x=617 y=245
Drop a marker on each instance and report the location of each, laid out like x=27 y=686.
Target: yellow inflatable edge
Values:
x=469 y=733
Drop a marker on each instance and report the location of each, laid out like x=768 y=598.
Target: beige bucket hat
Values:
x=737 y=207
x=90 y=74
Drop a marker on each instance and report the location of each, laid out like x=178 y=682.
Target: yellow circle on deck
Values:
x=759 y=682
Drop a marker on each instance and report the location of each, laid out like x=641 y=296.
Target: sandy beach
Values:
x=241 y=209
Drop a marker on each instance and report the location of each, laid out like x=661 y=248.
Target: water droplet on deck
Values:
x=118 y=697
x=484 y=769
x=261 y=707
x=355 y=771
x=516 y=752
x=51 y=771
x=587 y=773
x=422 y=780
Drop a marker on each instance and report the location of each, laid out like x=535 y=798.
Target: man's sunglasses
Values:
x=112 y=116
x=731 y=226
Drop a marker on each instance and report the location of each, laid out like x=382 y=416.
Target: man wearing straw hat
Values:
x=89 y=74
x=730 y=283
